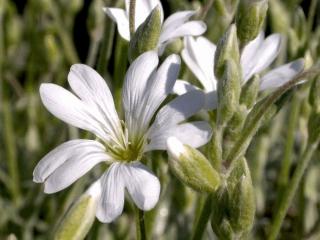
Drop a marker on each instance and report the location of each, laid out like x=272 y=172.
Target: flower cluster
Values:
x=151 y=121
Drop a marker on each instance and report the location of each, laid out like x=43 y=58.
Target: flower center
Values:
x=129 y=150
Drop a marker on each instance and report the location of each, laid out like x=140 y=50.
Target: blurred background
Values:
x=41 y=39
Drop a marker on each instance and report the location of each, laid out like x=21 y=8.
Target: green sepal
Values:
x=219 y=216
x=241 y=198
x=249 y=19
x=228 y=91
x=146 y=37
x=191 y=167
x=227 y=48
x=79 y=219
x=249 y=92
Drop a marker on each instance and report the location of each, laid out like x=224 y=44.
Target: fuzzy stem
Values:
x=291 y=190
x=202 y=222
x=140 y=226
x=132 y=14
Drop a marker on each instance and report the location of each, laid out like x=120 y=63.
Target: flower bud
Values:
x=219 y=215
x=241 y=198
x=227 y=48
x=228 y=91
x=249 y=19
x=191 y=167
x=147 y=35
x=80 y=217
x=249 y=92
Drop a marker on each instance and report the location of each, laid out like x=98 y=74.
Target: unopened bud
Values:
x=241 y=198
x=219 y=216
x=249 y=19
x=227 y=48
x=192 y=167
x=146 y=37
x=80 y=217
x=228 y=91
x=249 y=92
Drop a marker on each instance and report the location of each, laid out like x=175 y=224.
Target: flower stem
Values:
x=140 y=226
x=132 y=14
x=291 y=190
x=105 y=48
x=203 y=219
x=288 y=154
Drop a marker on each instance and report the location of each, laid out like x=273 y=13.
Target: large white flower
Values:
x=199 y=53
x=175 y=26
x=119 y=143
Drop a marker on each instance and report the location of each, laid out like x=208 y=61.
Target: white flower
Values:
x=175 y=26
x=199 y=53
x=119 y=143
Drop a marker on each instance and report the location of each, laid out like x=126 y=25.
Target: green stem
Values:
x=106 y=47
x=291 y=190
x=66 y=40
x=132 y=14
x=311 y=15
x=140 y=226
x=203 y=219
x=10 y=144
x=288 y=154
x=206 y=9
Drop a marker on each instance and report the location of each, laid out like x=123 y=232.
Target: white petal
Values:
x=121 y=18
x=175 y=148
x=112 y=196
x=142 y=185
x=198 y=54
x=211 y=100
x=249 y=53
x=93 y=90
x=135 y=87
x=268 y=51
x=95 y=190
x=177 y=19
x=176 y=111
x=194 y=134
x=181 y=87
x=68 y=162
x=191 y=28
x=279 y=76
x=67 y=107
x=158 y=88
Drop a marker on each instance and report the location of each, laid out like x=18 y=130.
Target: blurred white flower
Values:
x=199 y=53
x=119 y=143
x=175 y=26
